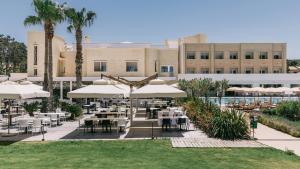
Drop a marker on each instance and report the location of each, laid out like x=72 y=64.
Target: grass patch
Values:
x=138 y=154
x=281 y=124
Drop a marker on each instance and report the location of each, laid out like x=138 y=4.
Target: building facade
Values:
x=188 y=55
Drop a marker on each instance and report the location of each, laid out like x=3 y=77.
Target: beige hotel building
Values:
x=185 y=56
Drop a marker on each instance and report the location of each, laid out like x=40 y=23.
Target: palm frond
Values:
x=32 y=20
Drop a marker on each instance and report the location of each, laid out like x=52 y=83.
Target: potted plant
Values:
x=31 y=107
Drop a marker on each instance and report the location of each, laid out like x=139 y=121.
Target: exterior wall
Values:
x=151 y=58
x=241 y=63
x=116 y=59
x=38 y=39
x=168 y=57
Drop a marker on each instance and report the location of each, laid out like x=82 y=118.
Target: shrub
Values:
x=31 y=107
x=277 y=125
x=290 y=110
x=75 y=111
x=270 y=111
x=229 y=125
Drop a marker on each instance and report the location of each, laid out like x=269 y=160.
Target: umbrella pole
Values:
x=9 y=119
x=131 y=110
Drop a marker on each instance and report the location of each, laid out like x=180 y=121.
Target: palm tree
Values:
x=220 y=89
x=77 y=21
x=48 y=14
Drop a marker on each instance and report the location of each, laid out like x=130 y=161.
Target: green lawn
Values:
x=138 y=154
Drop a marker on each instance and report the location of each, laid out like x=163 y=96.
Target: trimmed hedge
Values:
x=275 y=124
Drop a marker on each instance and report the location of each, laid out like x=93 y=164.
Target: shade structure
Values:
x=12 y=90
x=175 y=85
x=157 y=88
x=99 y=89
x=233 y=89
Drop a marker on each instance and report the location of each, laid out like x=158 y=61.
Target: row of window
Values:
x=101 y=66
x=233 y=55
x=250 y=70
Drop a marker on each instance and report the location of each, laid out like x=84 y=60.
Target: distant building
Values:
x=189 y=57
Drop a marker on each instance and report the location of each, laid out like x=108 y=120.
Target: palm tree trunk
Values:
x=45 y=84
x=50 y=68
x=46 y=59
x=78 y=59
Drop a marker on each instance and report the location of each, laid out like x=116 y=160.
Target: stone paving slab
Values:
x=212 y=143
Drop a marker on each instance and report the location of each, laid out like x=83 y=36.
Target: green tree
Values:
x=49 y=14
x=77 y=21
x=13 y=55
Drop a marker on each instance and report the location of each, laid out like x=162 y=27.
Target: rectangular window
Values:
x=263 y=55
x=263 y=70
x=191 y=55
x=164 y=69
x=249 y=70
x=234 y=70
x=131 y=66
x=35 y=55
x=204 y=55
x=155 y=66
x=233 y=55
x=249 y=55
x=100 y=66
x=191 y=70
x=35 y=72
x=219 y=55
x=277 y=55
x=205 y=70
x=167 y=69
x=219 y=70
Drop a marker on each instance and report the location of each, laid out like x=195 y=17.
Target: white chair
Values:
x=121 y=124
x=53 y=120
x=4 y=121
x=62 y=116
x=37 y=124
x=58 y=110
x=41 y=115
x=23 y=125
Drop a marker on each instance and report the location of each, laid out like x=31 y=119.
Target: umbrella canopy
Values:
x=175 y=85
x=233 y=89
x=157 y=88
x=296 y=90
x=99 y=89
x=12 y=90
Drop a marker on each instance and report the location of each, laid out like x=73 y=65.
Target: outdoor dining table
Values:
x=17 y=108
x=58 y=116
x=173 y=119
x=10 y=116
x=96 y=120
x=87 y=106
x=153 y=110
x=30 y=121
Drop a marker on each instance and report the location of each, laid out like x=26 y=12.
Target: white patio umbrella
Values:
x=12 y=90
x=100 y=89
x=157 y=88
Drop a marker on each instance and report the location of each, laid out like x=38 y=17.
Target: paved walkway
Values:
x=198 y=138
x=209 y=142
x=277 y=139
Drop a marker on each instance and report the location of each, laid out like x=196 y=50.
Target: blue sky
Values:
x=156 y=20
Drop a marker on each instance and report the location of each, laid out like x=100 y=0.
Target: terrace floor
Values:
x=142 y=129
